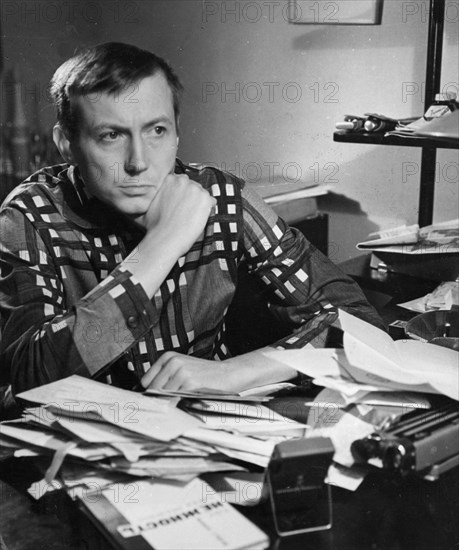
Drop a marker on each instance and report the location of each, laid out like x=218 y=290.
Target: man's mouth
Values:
x=136 y=189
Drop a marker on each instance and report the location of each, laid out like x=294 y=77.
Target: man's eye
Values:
x=159 y=130
x=109 y=136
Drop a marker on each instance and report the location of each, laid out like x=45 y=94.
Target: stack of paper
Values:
x=136 y=459
x=107 y=429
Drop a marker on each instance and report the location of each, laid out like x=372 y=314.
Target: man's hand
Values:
x=174 y=371
x=178 y=212
x=176 y=217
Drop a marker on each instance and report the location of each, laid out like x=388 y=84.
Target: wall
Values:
x=263 y=95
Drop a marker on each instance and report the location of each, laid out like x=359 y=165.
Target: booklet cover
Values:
x=172 y=515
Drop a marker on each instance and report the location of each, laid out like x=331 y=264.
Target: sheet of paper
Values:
x=346 y=478
x=209 y=395
x=262 y=391
x=76 y=388
x=380 y=344
x=81 y=397
x=54 y=442
x=168 y=467
x=351 y=392
x=233 y=441
x=332 y=369
x=96 y=432
x=436 y=364
x=250 y=426
x=246 y=412
x=399 y=365
x=376 y=369
x=343 y=433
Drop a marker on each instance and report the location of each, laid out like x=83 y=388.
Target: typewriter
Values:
x=423 y=441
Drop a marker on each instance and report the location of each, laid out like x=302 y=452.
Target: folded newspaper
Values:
x=439 y=238
x=439 y=122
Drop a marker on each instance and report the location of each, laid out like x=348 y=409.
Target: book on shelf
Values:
x=282 y=191
x=291 y=201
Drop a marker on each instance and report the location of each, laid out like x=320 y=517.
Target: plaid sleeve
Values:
x=301 y=282
x=43 y=338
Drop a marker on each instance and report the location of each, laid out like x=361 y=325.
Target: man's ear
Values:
x=63 y=144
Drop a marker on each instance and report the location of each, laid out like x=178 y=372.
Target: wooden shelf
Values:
x=380 y=139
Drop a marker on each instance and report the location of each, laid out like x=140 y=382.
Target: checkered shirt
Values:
x=68 y=307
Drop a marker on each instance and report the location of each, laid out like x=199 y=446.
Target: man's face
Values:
x=126 y=143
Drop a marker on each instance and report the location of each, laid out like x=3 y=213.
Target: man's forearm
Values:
x=152 y=261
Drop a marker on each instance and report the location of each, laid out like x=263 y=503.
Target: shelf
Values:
x=380 y=139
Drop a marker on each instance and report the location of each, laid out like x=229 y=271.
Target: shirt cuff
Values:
x=112 y=318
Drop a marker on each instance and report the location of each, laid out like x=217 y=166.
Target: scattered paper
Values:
x=372 y=361
x=346 y=478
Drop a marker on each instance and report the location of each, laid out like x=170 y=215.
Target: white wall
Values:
x=290 y=84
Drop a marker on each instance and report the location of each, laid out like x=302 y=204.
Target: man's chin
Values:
x=133 y=213
x=138 y=218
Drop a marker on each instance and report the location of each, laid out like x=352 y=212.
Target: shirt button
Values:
x=132 y=321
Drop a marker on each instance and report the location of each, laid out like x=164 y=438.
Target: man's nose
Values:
x=136 y=158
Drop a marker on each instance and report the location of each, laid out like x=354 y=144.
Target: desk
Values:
x=385 y=513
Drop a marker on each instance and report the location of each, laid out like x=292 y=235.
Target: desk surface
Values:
x=385 y=513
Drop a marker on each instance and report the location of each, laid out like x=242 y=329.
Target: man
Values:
x=121 y=263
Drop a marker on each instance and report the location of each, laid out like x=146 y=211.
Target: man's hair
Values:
x=106 y=68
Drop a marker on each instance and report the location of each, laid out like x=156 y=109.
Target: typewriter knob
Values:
x=364 y=449
x=397 y=455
